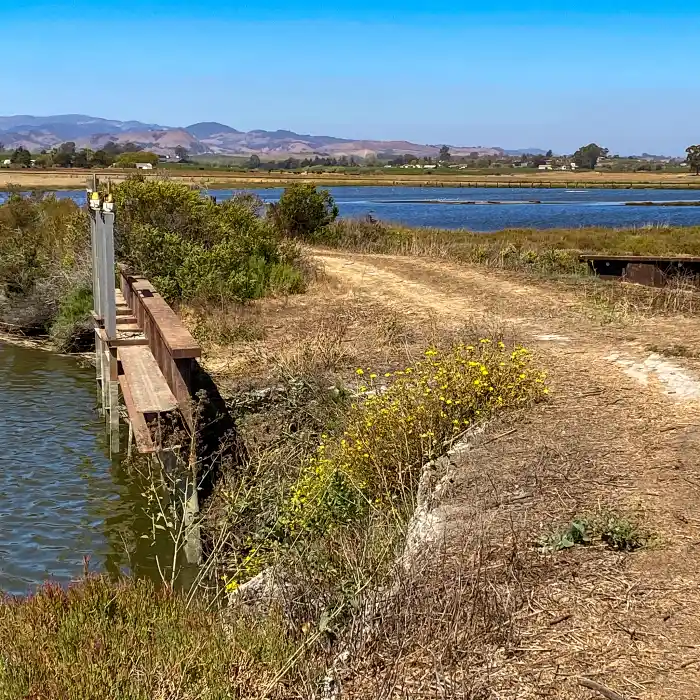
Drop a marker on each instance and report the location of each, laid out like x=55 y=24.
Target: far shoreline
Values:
x=75 y=179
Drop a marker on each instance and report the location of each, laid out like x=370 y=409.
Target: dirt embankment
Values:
x=621 y=432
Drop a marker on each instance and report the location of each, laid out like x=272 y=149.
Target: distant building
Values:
x=144 y=166
x=7 y=161
x=546 y=166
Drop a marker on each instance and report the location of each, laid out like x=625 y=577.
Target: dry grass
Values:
x=620 y=301
x=554 y=249
x=75 y=179
x=603 y=444
x=329 y=585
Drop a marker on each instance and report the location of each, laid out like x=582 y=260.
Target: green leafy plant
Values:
x=303 y=212
x=73 y=329
x=578 y=532
x=621 y=533
x=616 y=531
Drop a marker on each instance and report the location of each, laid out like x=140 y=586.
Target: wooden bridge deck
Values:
x=149 y=390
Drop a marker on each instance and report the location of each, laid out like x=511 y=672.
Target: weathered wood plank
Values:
x=120 y=342
x=177 y=339
x=128 y=327
x=141 y=431
x=149 y=390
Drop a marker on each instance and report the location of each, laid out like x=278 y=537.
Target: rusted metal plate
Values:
x=644 y=273
x=149 y=390
x=640 y=258
x=646 y=270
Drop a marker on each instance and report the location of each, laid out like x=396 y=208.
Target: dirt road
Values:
x=621 y=432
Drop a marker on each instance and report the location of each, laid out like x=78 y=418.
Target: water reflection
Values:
x=62 y=497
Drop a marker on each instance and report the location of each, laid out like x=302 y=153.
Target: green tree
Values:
x=303 y=211
x=445 y=155
x=101 y=159
x=693 y=158
x=82 y=158
x=181 y=153
x=63 y=160
x=548 y=154
x=22 y=157
x=44 y=160
x=254 y=162
x=587 y=156
x=129 y=160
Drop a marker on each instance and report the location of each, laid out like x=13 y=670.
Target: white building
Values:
x=144 y=166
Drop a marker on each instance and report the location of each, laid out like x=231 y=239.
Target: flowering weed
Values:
x=393 y=429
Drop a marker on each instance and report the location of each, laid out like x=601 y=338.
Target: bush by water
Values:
x=193 y=249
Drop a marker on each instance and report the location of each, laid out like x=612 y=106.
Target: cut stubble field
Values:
x=218 y=179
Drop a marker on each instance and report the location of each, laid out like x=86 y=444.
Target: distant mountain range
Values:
x=39 y=133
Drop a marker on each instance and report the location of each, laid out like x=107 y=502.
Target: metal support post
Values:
x=102 y=238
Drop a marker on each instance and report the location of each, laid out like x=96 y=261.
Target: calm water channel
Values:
x=444 y=207
x=61 y=496
x=440 y=206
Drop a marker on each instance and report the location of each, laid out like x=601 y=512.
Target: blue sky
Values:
x=545 y=73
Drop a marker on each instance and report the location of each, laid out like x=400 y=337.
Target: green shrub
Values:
x=303 y=212
x=44 y=254
x=621 y=533
x=196 y=250
x=73 y=328
x=616 y=531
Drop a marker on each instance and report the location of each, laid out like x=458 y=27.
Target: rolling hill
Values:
x=39 y=133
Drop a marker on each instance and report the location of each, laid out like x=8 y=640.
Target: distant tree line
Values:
x=67 y=155
x=254 y=163
x=409 y=159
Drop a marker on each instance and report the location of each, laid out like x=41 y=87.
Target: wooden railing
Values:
x=172 y=345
